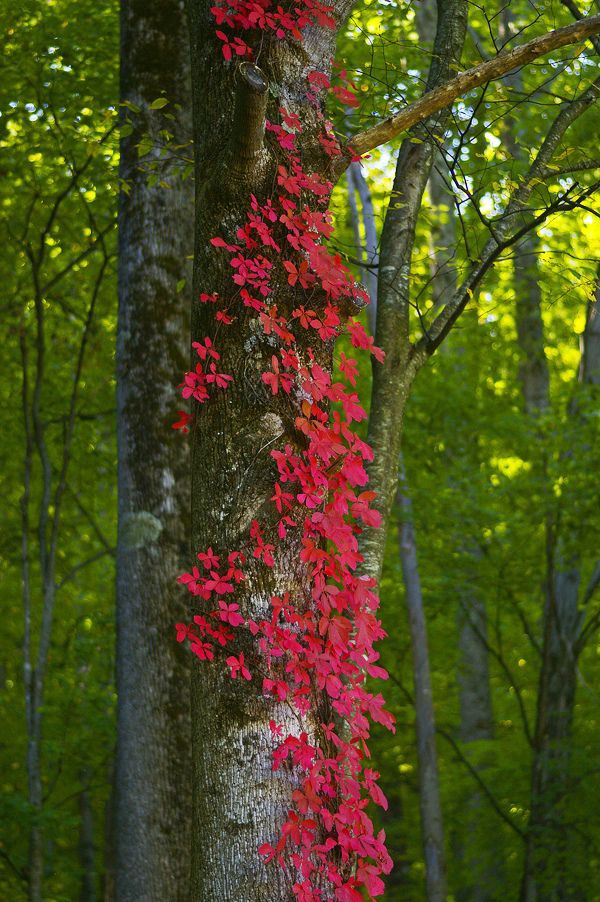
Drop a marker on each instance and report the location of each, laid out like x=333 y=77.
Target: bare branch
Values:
x=483 y=786
x=82 y=564
x=490 y=70
x=78 y=258
x=502 y=236
x=251 y=97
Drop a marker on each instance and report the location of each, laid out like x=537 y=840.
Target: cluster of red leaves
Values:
x=325 y=642
x=243 y=16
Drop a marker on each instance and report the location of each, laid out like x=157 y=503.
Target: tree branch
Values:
x=462 y=757
x=251 y=97
x=501 y=236
x=82 y=564
x=577 y=14
x=492 y=69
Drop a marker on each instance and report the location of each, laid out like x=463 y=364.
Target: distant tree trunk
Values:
x=429 y=790
x=442 y=237
x=153 y=774
x=545 y=875
x=108 y=891
x=87 y=852
x=51 y=477
x=533 y=367
x=367 y=249
x=432 y=830
x=473 y=676
x=547 y=837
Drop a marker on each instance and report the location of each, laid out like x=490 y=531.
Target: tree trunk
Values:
x=547 y=836
x=429 y=790
x=239 y=801
x=545 y=873
x=87 y=853
x=392 y=381
x=152 y=807
x=432 y=830
x=475 y=702
x=108 y=886
x=367 y=250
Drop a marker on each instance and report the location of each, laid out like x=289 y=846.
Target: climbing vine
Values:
x=321 y=644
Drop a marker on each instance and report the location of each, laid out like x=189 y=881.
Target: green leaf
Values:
x=131 y=106
x=159 y=103
x=145 y=146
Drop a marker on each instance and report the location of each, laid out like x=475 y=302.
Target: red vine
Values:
x=328 y=836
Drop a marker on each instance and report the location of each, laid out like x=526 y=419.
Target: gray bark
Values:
x=432 y=829
x=443 y=233
x=152 y=806
x=239 y=802
x=429 y=790
x=87 y=852
x=367 y=250
x=533 y=366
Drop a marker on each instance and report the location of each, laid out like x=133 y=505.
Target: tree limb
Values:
x=483 y=786
x=577 y=14
x=501 y=236
x=251 y=97
x=492 y=69
x=462 y=757
x=82 y=564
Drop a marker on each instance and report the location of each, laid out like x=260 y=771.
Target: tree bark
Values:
x=87 y=852
x=429 y=790
x=152 y=806
x=368 y=251
x=239 y=801
x=443 y=95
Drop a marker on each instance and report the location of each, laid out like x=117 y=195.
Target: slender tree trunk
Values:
x=473 y=675
x=35 y=664
x=108 y=890
x=546 y=850
x=392 y=381
x=443 y=233
x=367 y=249
x=87 y=852
x=429 y=790
x=429 y=795
x=152 y=806
x=546 y=871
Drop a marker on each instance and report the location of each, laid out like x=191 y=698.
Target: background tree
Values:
x=58 y=145
x=153 y=803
